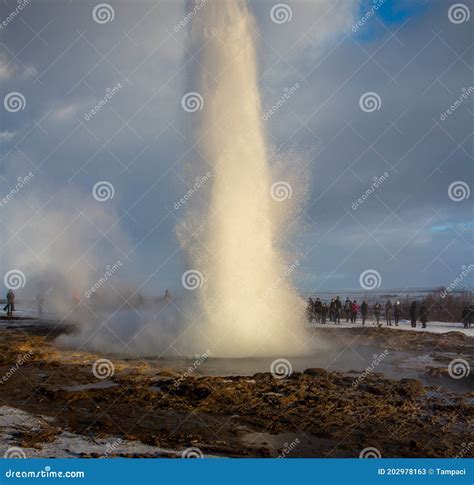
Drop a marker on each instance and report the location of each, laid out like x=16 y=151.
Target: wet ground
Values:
x=405 y=404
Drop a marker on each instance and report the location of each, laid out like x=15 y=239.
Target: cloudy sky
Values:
x=355 y=90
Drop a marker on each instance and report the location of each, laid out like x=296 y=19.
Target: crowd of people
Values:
x=321 y=312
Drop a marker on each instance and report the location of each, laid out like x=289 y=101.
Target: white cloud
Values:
x=6 y=136
x=65 y=112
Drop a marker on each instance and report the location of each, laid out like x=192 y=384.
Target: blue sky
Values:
x=409 y=53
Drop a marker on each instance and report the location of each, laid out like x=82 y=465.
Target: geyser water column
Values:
x=249 y=305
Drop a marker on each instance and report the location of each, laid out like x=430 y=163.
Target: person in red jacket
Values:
x=354 y=311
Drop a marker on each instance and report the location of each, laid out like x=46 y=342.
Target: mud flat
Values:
x=53 y=405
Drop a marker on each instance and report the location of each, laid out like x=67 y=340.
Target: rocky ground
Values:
x=63 y=409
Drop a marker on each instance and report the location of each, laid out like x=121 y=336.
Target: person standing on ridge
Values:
x=310 y=310
x=397 y=311
x=347 y=309
x=337 y=312
x=388 y=313
x=10 y=306
x=423 y=315
x=413 y=314
x=377 y=310
x=354 y=311
x=364 y=310
x=324 y=311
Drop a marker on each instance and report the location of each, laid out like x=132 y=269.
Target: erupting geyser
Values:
x=249 y=306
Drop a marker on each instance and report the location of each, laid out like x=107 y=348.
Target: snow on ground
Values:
x=433 y=327
x=14 y=423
